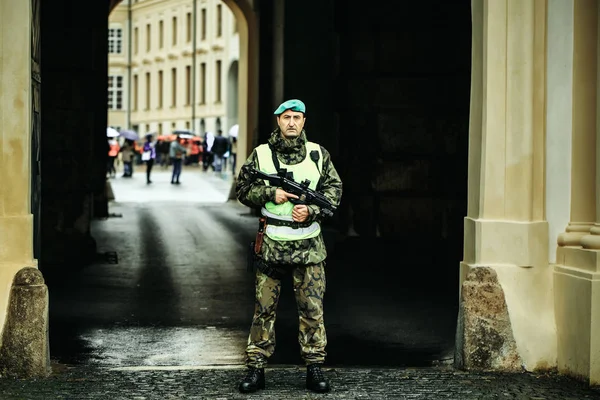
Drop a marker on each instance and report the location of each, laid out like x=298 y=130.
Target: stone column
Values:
x=577 y=273
x=16 y=219
x=592 y=241
x=504 y=228
x=583 y=169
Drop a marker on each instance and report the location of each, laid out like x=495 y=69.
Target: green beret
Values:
x=294 y=105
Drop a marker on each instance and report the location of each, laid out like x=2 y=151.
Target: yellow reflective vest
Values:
x=280 y=225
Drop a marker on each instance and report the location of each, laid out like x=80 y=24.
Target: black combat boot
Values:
x=254 y=380
x=315 y=380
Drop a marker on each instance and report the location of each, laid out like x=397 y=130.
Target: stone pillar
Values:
x=583 y=170
x=592 y=240
x=577 y=273
x=504 y=227
x=24 y=351
x=16 y=220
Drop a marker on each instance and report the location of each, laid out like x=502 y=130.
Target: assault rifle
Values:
x=305 y=194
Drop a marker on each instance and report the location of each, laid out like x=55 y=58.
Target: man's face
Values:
x=291 y=123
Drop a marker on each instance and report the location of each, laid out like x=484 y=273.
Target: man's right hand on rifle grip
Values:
x=281 y=196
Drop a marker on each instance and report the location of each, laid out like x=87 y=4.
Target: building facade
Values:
x=172 y=65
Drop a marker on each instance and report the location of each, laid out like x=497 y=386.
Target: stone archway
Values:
x=247 y=90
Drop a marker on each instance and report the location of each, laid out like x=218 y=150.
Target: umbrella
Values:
x=131 y=135
x=169 y=138
x=111 y=132
x=233 y=131
x=184 y=132
x=185 y=136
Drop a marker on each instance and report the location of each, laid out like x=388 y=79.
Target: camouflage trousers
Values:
x=309 y=290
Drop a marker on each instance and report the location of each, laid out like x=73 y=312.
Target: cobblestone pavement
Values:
x=288 y=383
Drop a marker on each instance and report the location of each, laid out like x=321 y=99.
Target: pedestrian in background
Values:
x=148 y=156
x=176 y=153
x=164 y=149
x=233 y=153
x=127 y=156
x=233 y=136
x=207 y=155
x=113 y=153
x=292 y=244
x=219 y=148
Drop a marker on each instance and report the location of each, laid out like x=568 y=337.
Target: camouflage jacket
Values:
x=256 y=194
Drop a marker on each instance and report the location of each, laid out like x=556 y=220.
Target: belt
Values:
x=292 y=224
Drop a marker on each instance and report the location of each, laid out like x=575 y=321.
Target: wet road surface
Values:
x=180 y=295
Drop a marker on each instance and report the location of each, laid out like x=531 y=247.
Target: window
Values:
x=188 y=83
x=147 y=90
x=161 y=34
x=136 y=40
x=203 y=83
x=160 y=89
x=174 y=33
x=218 y=82
x=219 y=20
x=203 y=17
x=188 y=27
x=135 y=92
x=115 y=41
x=148 y=37
x=173 y=87
x=115 y=92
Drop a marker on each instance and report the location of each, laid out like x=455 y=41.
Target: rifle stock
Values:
x=305 y=194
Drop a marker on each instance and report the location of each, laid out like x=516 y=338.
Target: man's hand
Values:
x=300 y=213
x=281 y=196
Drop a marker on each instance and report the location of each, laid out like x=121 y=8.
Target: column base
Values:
x=592 y=241
x=579 y=258
x=577 y=295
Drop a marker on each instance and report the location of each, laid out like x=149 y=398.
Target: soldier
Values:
x=292 y=244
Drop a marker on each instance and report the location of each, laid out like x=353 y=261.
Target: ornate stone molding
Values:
x=573 y=234
x=592 y=241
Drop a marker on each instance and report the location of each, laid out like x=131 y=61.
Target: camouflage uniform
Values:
x=304 y=258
